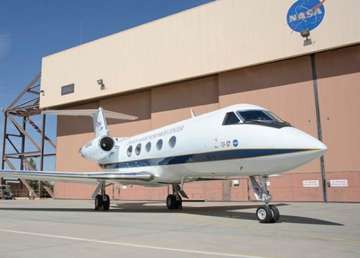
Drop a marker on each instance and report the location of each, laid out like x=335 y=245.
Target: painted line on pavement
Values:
x=160 y=248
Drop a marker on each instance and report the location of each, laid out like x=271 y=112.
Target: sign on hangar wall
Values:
x=305 y=15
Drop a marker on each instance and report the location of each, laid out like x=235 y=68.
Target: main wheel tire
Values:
x=106 y=202
x=264 y=214
x=275 y=213
x=178 y=202
x=171 y=202
x=98 y=202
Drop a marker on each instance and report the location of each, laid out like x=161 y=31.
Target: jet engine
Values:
x=98 y=149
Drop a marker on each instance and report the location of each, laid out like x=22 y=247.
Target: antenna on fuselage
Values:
x=192 y=113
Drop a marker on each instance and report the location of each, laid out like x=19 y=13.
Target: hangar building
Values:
x=221 y=53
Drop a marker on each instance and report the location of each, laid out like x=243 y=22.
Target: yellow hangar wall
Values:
x=216 y=37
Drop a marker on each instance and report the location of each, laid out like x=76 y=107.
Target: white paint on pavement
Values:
x=160 y=248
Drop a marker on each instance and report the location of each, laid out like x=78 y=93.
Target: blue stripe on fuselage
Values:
x=201 y=157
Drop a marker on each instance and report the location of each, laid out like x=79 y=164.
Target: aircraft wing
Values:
x=76 y=176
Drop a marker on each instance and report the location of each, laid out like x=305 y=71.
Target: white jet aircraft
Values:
x=239 y=140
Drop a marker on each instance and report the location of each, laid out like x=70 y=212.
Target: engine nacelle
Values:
x=98 y=149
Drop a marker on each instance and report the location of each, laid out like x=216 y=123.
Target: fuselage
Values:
x=239 y=140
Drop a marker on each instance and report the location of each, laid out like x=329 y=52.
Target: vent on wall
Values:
x=67 y=89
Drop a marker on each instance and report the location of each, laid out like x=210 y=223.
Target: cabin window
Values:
x=138 y=149
x=231 y=119
x=148 y=146
x=159 y=144
x=129 y=150
x=172 y=141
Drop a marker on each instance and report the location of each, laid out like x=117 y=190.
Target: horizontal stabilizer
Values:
x=90 y=112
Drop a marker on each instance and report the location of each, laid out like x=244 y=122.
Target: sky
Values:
x=30 y=30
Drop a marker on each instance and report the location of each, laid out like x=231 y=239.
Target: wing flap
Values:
x=76 y=176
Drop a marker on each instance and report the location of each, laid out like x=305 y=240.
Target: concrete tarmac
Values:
x=64 y=228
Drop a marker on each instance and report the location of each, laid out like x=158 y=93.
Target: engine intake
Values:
x=107 y=143
x=98 y=149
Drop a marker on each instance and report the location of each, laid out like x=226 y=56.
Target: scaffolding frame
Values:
x=20 y=114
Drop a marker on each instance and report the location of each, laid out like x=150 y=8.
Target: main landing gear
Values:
x=266 y=213
x=102 y=200
x=174 y=200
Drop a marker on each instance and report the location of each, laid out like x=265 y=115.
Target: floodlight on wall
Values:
x=306 y=34
x=100 y=82
x=42 y=92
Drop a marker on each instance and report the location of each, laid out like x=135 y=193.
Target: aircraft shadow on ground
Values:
x=225 y=211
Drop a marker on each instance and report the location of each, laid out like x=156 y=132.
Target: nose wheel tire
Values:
x=102 y=202
x=267 y=214
x=173 y=202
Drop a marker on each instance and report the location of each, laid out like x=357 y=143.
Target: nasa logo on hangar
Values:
x=305 y=15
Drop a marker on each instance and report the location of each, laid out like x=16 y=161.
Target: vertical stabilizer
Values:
x=99 y=121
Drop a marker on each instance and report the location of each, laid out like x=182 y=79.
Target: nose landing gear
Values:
x=266 y=213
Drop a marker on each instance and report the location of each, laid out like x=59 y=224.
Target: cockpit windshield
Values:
x=255 y=115
x=259 y=117
x=231 y=119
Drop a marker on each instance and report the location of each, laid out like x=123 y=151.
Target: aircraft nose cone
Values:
x=301 y=140
x=307 y=148
x=319 y=146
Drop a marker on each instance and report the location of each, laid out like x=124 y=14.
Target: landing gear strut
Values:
x=102 y=200
x=266 y=213
x=174 y=200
